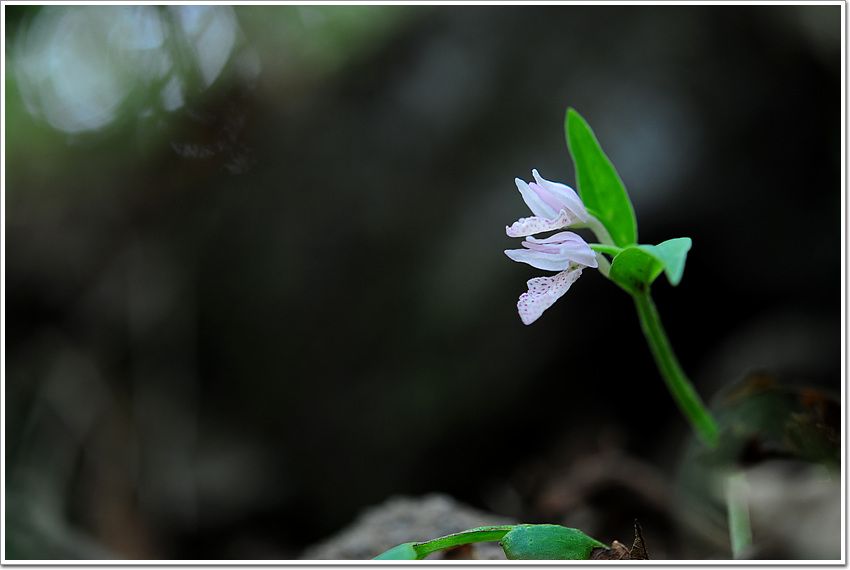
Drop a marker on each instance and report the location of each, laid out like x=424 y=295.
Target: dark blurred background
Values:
x=254 y=268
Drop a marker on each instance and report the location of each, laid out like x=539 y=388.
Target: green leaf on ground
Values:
x=401 y=552
x=548 y=542
x=419 y=550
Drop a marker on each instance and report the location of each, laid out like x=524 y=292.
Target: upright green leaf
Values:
x=599 y=185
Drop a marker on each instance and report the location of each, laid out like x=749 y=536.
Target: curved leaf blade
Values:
x=401 y=552
x=548 y=542
x=419 y=550
x=635 y=268
x=598 y=183
x=673 y=254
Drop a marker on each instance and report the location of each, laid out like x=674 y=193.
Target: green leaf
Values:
x=599 y=185
x=401 y=552
x=672 y=254
x=636 y=267
x=419 y=550
x=548 y=542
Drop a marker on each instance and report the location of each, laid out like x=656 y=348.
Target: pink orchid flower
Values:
x=565 y=252
x=554 y=205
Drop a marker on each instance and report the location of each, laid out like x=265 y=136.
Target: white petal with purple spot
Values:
x=543 y=292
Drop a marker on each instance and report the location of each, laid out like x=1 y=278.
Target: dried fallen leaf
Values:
x=638 y=551
x=619 y=551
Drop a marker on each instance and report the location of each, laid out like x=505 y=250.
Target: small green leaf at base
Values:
x=636 y=267
x=548 y=542
x=672 y=254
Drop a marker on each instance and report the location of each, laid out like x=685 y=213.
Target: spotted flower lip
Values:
x=544 y=291
x=555 y=253
x=553 y=204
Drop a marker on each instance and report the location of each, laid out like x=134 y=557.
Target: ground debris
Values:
x=619 y=551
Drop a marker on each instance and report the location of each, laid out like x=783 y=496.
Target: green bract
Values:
x=672 y=254
x=636 y=267
x=598 y=183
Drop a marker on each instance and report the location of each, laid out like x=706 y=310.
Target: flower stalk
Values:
x=677 y=382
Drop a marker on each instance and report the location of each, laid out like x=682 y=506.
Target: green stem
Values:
x=609 y=249
x=604 y=265
x=480 y=534
x=607 y=246
x=419 y=550
x=598 y=229
x=738 y=513
x=677 y=382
